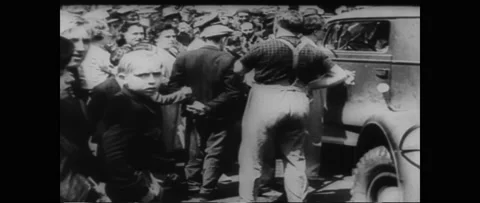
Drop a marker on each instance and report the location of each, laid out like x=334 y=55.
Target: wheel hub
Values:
x=389 y=194
x=383 y=188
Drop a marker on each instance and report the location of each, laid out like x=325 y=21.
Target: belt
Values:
x=284 y=85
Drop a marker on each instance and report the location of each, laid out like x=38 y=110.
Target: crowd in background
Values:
x=94 y=41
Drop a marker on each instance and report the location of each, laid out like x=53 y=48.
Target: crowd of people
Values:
x=142 y=90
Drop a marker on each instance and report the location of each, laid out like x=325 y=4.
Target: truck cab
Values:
x=379 y=116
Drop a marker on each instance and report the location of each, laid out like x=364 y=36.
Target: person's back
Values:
x=274 y=61
x=202 y=77
x=195 y=44
x=278 y=107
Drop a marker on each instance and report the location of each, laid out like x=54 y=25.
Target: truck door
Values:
x=361 y=46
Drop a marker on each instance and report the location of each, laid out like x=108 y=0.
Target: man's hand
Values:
x=153 y=192
x=100 y=189
x=187 y=91
x=92 y=146
x=350 y=77
x=155 y=188
x=154 y=179
x=197 y=108
x=148 y=197
x=249 y=78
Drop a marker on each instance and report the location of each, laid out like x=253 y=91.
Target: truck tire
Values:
x=375 y=178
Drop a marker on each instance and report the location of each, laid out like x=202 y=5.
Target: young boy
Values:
x=130 y=146
x=105 y=91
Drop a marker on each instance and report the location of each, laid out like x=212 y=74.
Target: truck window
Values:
x=359 y=36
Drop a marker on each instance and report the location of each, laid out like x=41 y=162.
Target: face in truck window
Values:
x=369 y=36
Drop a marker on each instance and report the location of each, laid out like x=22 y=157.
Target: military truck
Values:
x=379 y=116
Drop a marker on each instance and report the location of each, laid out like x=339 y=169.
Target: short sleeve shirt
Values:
x=272 y=61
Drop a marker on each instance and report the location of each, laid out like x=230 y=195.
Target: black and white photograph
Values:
x=239 y=103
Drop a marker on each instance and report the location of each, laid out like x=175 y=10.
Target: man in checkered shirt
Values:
x=278 y=105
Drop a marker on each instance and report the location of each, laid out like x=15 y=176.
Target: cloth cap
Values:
x=169 y=11
x=310 y=12
x=111 y=19
x=224 y=12
x=146 y=11
x=257 y=12
x=204 y=21
x=243 y=10
x=216 y=30
x=127 y=9
x=97 y=14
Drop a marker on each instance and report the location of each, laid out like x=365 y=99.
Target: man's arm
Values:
x=230 y=91
x=173 y=98
x=245 y=64
x=335 y=76
x=178 y=77
x=240 y=69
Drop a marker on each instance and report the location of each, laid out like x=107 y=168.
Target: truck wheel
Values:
x=375 y=178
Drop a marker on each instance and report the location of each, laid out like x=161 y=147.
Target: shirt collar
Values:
x=284 y=33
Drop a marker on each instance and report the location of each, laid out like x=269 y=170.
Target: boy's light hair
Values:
x=131 y=60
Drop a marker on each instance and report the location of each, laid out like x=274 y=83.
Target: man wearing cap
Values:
x=267 y=32
x=248 y=37
x=114 y=22
x=243 y=15
x=209 y=72
x=185 y=34
x=278 y=105
x=224 y=18
x=171 y=15
x=257 y=19
x=129 y=14
x=199 y=25
x=313 y=34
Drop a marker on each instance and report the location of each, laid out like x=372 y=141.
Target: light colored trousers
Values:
x=274 y=115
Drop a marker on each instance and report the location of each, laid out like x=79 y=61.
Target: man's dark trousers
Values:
x=208 y=143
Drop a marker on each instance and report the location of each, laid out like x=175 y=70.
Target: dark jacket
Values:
x=101 y=94
x=209 y=72
x=73 y=185
x=76 y=160
x=76 y=128
x=131 y=147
